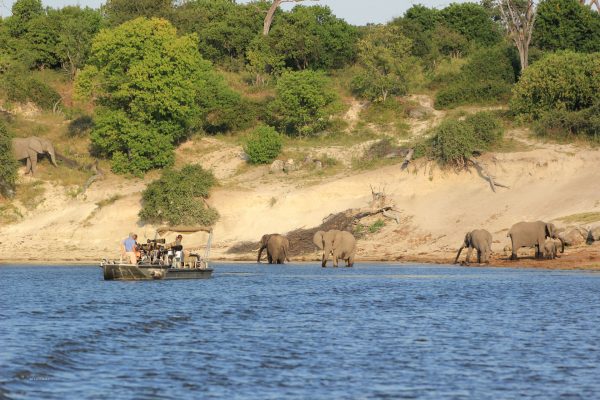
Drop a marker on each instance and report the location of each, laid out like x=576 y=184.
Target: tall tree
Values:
x=518 y=17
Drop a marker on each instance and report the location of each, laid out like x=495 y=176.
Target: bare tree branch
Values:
x=486 y=175
x=269 y=17
x=519 y=18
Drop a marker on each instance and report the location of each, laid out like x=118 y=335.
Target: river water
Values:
x=301 y=332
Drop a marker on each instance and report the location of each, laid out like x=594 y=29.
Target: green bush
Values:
x=8 y=163
x=488 y=76
x=564 y=81
x=561 y=123
x=303 y=103
x=22 y=88
x=263 y=145
x=487 y=128
x=177 y=198
x=454 y=142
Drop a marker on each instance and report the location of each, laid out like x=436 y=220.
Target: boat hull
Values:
x=130 y=272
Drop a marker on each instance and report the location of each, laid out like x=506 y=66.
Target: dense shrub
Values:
x=80 y=126
x=263 y=145
x=177 y=198
x=454 y=142
x=487 y=129
x=8 y=163
x=303 y=103
x=487 y=77
x=562 y=81
x=565 y=123
x=21 y=87
x=472 y=21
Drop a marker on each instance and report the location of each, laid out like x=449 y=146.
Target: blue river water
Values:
x=301 y=332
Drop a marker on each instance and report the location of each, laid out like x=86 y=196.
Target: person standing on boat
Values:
x=129 y=245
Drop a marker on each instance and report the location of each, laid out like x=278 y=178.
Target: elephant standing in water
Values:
x=480 y=240
x=29 y=148
x=340 y=244
x=277 y=248
x=532 y=234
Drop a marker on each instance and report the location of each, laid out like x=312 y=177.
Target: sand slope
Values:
x=437 y=207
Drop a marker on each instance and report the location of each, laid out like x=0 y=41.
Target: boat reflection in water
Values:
x=158 y=262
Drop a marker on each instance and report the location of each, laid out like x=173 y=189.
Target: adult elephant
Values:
x=29 y=149
x=340 y=244
x=532 y=234
x=480 y=240
x=277 y=248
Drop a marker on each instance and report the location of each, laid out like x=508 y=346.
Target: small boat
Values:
x=157 y=262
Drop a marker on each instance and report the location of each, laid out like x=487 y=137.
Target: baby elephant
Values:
x=550 y=249
x=480 y=240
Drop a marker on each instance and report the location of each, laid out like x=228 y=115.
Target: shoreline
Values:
x=585 y=259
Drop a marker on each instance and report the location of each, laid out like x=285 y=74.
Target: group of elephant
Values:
x=341 y=245
x=539 y=234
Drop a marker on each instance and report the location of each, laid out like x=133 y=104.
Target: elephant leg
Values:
x=478 y=256
x=270 y=258
x=515 y=246
x=323 y=261
x=469 y=252
x=32 y=162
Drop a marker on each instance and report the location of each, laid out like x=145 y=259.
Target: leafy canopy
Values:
x=385 y=56
x=303 y=102
x=566 y=25
x=177 y=198
x=153 y=88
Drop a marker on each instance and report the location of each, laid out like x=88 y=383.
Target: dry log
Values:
x=407 y=159
x=486 y=175
x=98 y=174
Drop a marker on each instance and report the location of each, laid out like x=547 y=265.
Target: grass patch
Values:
x=101 y=204
x=387 y=116
x=9 y=214
x=30 y=194
x=583 y=218
x=376 y=226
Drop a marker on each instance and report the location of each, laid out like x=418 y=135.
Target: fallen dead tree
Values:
x=486 y=175
x=301 y=239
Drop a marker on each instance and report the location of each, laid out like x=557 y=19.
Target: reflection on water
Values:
x=301 y=332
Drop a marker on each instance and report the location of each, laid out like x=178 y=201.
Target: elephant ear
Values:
x=35 y=144
x=318 y=239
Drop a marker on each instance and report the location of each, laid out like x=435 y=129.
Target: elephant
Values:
x=550 y=249
x=532 y=234
x=340 y=244
x=478 y=239
x=277 y=248
x=29 y=149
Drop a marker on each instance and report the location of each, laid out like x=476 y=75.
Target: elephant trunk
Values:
x=260 y=253
x=53 y=158
x=562 y=245
x=458 y=254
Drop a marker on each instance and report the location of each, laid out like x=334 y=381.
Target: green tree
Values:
x=8 y=163
x=23 y=11
x=562 y=81
x=153 y=89
x=263 y=145
x=119 y=11
x=566 y=25
x=303 y=103
x=385 y=56
x=177 y=198
x=473 y=22
x=225 y=29
x=77 y=28
x=312 y=37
